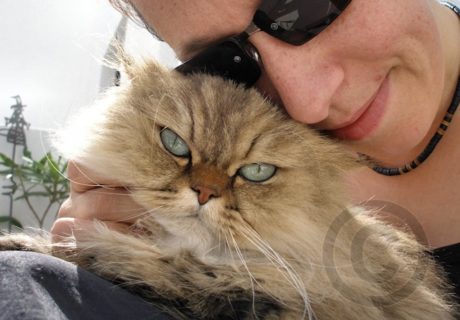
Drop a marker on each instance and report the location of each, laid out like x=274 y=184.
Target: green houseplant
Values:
x=43 y=178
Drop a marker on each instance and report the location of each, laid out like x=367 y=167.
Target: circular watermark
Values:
x=361 y=253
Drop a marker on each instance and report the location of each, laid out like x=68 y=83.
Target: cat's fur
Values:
x=286 y=248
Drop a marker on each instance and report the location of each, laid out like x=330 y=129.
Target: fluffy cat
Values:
x=245 y=214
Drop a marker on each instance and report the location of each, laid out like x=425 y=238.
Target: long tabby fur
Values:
x=284 y=248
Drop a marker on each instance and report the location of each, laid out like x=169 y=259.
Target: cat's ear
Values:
x=127 y=64
x=146 y=72
x=117 y=58
x=133 y=67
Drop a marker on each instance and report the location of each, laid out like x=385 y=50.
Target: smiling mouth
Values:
x=366 y=119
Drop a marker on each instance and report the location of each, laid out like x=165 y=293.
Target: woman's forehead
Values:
x=187 y=25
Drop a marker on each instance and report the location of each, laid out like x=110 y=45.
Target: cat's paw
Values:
x=23 y=242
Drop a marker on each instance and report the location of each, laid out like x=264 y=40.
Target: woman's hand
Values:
x=94 y=197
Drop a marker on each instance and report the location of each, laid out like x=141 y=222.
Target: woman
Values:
x=380 y=78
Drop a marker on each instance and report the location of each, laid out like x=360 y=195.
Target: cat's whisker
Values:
x=274 y=263
x=153 y=210
x=279 y=263
x=94 y=184
x=141 y=214
x=90 y=185
x=229 y=247
x=289 y=272
x=117 y=194
x=135 y=211
x=226 y=246
x=164 y=189
x=230 y=304
x=267 y=250
x=211 y=249
x=252 y=279
x=255 y=239
x=227 y=250
x=49 y=160
x=134 y=216
x=219 y=241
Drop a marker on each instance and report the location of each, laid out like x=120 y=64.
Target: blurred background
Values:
x=51 y=64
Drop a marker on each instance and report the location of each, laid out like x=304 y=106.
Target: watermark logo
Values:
x=362 y=255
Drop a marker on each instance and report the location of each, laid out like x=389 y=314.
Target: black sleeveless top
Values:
x=449 y=259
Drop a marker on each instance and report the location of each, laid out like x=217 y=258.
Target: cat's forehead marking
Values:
x=251 y=146
x=222 y=140
x=223 y=124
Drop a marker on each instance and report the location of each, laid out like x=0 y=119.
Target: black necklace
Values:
x=437 y=136
x=431 y=145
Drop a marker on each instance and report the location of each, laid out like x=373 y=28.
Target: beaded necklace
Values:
x=437 y=136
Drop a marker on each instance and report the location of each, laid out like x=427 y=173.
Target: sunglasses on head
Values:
x=292 y=21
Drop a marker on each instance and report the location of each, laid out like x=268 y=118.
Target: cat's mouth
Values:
x=206 y=230
x=182 y=215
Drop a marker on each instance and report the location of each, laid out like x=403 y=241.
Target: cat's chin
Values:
x=196 y=230
x=184 y=231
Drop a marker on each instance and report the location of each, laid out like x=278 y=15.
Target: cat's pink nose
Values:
x=205 y=193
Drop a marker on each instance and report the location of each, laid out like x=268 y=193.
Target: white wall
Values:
x=51 y=54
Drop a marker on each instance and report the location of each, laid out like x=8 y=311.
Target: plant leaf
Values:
x=33 y=194
x=13 y=221
x=27 y=153
x=6 y=161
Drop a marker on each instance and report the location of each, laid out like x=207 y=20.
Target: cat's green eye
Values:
x=257 y=172
x=173 y=143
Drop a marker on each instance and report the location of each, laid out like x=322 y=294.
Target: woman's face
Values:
x=375 y=78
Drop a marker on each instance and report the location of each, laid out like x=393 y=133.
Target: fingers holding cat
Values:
x=95 y=197
x=66 y=227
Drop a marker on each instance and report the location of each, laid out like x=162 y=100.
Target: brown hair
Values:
x=128 y=9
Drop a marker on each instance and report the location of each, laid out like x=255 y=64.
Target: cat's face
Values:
x=214 y=163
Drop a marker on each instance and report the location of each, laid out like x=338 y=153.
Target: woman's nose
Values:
x=303 y=77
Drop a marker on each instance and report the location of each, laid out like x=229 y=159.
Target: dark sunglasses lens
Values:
x=227 y=60
x=297 y=21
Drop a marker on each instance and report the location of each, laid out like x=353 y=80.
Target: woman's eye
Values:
x=257 y=172
x=173 y=143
